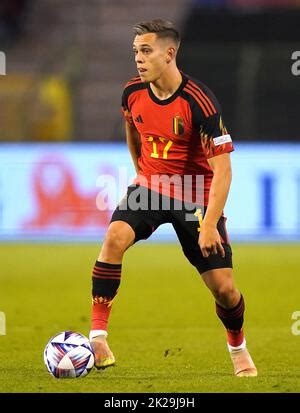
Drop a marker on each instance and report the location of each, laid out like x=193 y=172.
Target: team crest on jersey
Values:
x=178 y=125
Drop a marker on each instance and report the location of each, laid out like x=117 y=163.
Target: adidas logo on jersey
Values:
x=139 y=119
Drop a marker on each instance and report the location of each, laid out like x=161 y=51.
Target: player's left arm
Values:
x=217 y=145
x=209 y=238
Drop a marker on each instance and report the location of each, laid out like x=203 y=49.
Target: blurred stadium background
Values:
x=67 y=62
x=61 y=130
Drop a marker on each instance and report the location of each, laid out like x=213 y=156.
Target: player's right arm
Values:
x=134 y=143
x=132 y=135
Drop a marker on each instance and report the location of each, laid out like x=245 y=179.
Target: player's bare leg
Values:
x=106 y=279
x=230 y=309
x=119 y=237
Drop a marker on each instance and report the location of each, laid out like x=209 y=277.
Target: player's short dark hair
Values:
x=162 y=28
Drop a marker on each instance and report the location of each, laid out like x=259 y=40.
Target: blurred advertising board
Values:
x=67 y=192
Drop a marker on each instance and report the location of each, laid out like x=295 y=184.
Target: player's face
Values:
x=151 y=56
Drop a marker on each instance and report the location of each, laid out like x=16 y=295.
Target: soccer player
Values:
x=174 y=129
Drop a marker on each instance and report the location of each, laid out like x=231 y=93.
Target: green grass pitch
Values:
x=163 y=328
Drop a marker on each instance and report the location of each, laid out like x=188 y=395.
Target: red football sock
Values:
x=100 y=315
x=235 y=338
x=106 y=280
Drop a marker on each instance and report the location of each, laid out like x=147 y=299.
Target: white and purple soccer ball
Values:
x=69 y=355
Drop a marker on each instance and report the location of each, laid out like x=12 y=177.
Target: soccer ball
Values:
x=69 y=355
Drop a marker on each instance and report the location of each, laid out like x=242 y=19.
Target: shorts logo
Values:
x=178 y=125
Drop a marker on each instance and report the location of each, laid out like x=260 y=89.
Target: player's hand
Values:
x=210 y=241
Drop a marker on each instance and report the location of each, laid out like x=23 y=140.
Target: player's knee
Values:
x=116 y=241
x=224 y=294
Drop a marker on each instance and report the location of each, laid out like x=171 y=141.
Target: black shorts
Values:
x=146 y=210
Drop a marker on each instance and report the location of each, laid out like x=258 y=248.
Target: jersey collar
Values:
x=171 y=98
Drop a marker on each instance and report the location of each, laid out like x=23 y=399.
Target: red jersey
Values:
x=178 y=134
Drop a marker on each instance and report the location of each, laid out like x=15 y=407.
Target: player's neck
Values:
x=167 y=84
